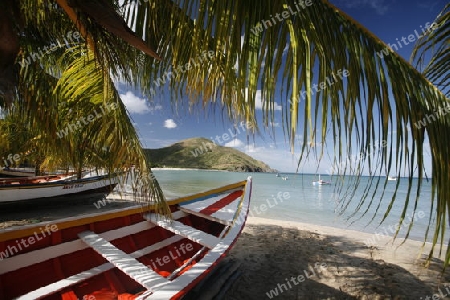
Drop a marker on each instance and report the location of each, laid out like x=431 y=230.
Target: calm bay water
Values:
x=297 y=199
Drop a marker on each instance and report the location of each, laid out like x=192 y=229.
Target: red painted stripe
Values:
x=221 y=203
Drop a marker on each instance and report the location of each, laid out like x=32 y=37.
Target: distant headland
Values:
x=202 y=153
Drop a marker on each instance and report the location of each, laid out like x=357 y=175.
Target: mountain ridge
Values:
x=202 y=153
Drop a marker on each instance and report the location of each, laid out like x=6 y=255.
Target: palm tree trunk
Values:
x=37 y=168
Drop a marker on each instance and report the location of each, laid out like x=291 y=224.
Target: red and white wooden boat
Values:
x=53 y=186
x=131 y=253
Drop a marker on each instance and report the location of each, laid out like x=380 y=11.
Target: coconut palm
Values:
x=431 y=56
x=435 y=44
x=336 y=81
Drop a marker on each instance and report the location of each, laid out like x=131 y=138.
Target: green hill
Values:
x=201 y=153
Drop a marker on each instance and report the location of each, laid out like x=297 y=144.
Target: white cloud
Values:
x=254 y=149
x=136 y=105
x=236 y=143
x=259 y=102
x=281 y=160
x=170 y=123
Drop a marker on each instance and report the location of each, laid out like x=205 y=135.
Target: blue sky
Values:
x=160 y=126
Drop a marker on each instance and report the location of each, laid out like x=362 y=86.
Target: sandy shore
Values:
x=304 y=261
x=301 y=261
x=185 y=169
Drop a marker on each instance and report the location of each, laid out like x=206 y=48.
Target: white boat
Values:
x=392 y=178
x=21 y=189
x=131 y=253
x=16 y=172
x=321 y=182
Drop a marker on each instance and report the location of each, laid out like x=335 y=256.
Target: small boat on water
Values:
x=53 y=186
x=131 y=253
x=282 y=177
x=391 y=178
x=321 y=182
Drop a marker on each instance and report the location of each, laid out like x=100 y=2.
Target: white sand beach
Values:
x=304 y=261
x=186 y=169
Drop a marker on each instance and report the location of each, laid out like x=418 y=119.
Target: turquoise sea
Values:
x=297 y=199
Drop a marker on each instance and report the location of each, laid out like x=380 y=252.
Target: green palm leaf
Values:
x=431 y=55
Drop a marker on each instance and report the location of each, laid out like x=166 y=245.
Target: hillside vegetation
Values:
x=201 y=153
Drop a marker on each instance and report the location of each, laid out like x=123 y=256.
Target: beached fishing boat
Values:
x=53 y=186
x=132 y=253
x=7 y=172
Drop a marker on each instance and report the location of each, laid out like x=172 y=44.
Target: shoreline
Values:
x=187 y=169
x=350 y=228
x=385 y=242
x=176 y=169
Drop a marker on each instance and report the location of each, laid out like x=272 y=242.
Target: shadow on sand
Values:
x=270 y=256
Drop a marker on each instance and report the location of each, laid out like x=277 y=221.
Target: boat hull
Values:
x=15 y=173
x=57 y=189
x=129 y=253
x=320 y=183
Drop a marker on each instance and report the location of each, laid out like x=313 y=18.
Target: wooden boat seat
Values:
x=64 y=283
x=124 y=262
x=80 y=277
x=198 y=236
x=218 y=209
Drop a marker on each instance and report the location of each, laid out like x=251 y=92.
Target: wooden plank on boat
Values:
x=225 y=215
x=64 y=283
x=127 y=264
x=85 y=275
x=211 y=218
x=219 y=209
x=186 y=231
x=22 y=260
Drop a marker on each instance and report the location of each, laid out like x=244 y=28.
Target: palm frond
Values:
x=431 y=54
x=333 y=72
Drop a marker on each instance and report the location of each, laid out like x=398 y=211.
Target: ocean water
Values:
x=297 y=199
